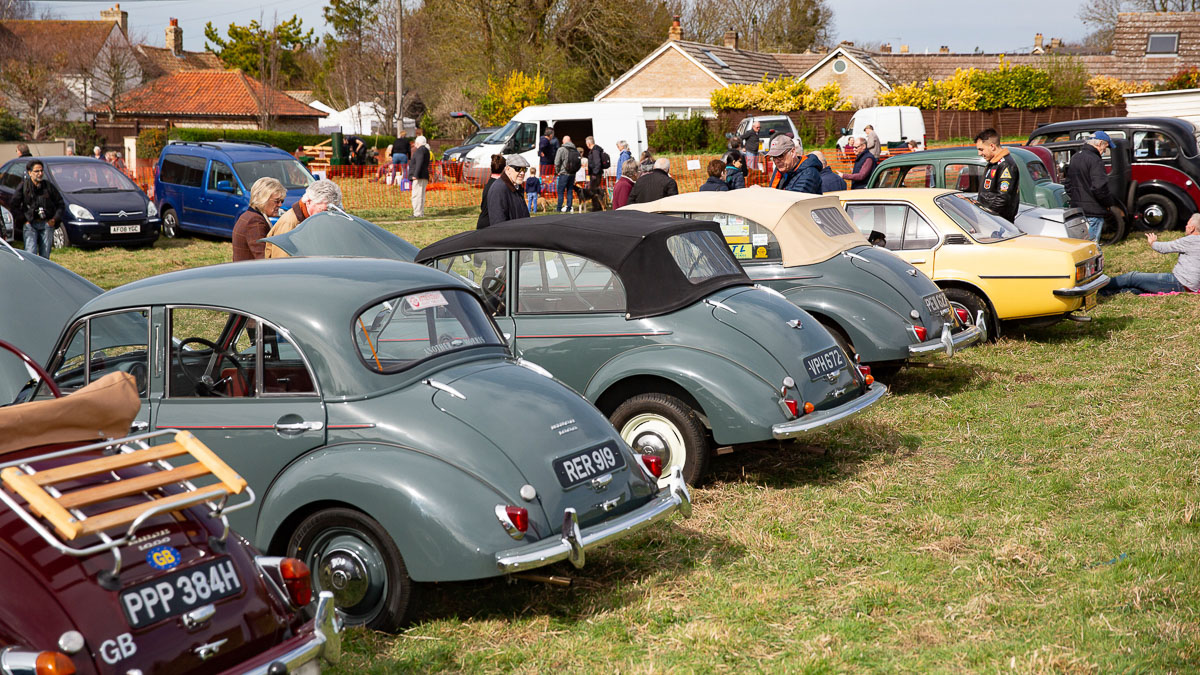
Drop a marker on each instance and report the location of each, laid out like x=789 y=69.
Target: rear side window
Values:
x=1037 y=171
x=832 y=222
x=702 y=255
x=1153 y=145
x=890 y=177
x=12 y=176
x=185 y=170
x=747 y=240
x=963 y=177
x=552 y=282
x=404 y=330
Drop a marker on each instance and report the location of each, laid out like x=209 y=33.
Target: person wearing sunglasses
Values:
x=266 y=196
x=505 y=198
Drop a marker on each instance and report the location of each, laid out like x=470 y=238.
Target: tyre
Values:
x=351 y=555
x=1156 y=212
x=841 y=340
x=662 y=425
x=1113 y=231
x=170 y=223
x=60 y=238
x=974 y=304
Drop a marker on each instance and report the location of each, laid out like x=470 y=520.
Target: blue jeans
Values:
x=39 y=239
x=1095 y=227
x=531 y=200
x=1144 y=282
x=565 y=182
x=400 y=159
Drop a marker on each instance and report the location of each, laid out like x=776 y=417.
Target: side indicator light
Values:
x=53 y=663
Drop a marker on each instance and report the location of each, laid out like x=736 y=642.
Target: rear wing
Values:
x=44 y=484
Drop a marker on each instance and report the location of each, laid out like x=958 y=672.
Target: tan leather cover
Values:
x=101 y=410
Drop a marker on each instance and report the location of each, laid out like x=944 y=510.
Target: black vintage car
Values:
x=1166 y=162
x=103 y=206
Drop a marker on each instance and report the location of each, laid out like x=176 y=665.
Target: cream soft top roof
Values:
x=103 y=409
x=786 y=214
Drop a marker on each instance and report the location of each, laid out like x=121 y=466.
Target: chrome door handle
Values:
x=298 y=427
x=917 y=261
x=139 y=426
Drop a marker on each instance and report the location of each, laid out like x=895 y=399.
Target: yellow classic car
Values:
x=984 y=263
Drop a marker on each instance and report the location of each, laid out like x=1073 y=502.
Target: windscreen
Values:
x=983 y=227
x=287 y=171
x=89 y=177
x=404 y=330
x=505 y=132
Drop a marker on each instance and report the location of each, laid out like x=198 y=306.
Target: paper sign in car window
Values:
x=426 y=300
x=760 y=239
x=741 y=251
x=735 y=229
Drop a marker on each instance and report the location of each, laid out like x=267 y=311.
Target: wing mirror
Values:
x=225 y=186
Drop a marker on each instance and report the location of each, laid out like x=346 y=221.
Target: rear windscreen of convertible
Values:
x=401 y=331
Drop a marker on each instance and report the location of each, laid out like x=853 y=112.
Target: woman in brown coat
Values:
x=266 y=196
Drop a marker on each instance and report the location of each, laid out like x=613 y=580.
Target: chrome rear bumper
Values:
x=324 y=643
x=1086 y=289
x=573 y=543
x=949 y=341
x=822 y=418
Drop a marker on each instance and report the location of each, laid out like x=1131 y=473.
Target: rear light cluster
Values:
x=920 y=332
x=291 y=576
x=963 y=315
x=35 y=663
x=1089 y=268
x=796 y=408
x=653 y=464
x=866 y=373
x=514 y=520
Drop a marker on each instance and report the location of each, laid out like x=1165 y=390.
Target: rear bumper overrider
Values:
x=823 y=418
x=949 y=341
x=321 y=639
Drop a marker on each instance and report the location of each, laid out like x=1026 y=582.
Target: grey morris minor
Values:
x=651 y=318
x=878 y=306
x=378 y=413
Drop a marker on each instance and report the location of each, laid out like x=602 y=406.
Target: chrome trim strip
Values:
x=1086 y=289
x=574 y=543
x=964 y=338
x=325 y=643
x=824 y=417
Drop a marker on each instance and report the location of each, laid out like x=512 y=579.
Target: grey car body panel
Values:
x=328 y=232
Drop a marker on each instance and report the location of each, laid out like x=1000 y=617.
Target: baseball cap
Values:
x=516 y=161
x=1102 y=136
x=780 y=145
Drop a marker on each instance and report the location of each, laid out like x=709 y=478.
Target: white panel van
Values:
x=895 y=124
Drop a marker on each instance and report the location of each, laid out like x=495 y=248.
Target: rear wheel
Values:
x=1157 y=212
x=1113 y=231
x=961 y=298
x=664 y=426
x=351 y=555
x=170 y=223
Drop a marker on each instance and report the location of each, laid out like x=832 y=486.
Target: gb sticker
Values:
x=117 y=649
x=162 y=557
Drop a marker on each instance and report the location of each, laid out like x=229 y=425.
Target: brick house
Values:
x=679 y=76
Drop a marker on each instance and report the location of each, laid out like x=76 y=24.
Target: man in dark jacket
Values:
x=750 y=143
x=799 y=173
x=830 y=181
x=547 y=149
x=655 y=184
x=595 y=173
x=1001 y=189
x=41 y=207
x=864 y=165
x=506 y=197
x=1087 y=184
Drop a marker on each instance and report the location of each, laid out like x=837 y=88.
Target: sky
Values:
x=921 y=24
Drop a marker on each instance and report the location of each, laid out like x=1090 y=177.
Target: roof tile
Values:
x=210 y=93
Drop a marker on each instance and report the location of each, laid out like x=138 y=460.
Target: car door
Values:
x=908 y=233
x=244 y=388
x=182 y=179
x=224 y=199
x=10 y=179
x=570 y=315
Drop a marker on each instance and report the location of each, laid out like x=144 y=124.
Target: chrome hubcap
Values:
x=650 y=434
x=1153 y=215
x=353 y=570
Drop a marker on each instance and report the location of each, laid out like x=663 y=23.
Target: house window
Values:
x=839 y=66
x=1162 y=43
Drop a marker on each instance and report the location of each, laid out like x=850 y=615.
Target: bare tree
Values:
x=16 y=9
x=776 y=25
x=114 y=72
x=31 y=79
x=1101 y=16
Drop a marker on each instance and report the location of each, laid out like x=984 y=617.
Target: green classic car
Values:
x=378 y=413
x=882 y=309
x=962 y=169
x=651 y=318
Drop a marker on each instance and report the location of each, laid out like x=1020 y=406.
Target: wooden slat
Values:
x=41 y=502
x=121 y=517
x=131 y=486
x=106 y=464
x=230 y=478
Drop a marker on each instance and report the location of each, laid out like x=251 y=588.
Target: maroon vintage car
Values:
x=114 y=561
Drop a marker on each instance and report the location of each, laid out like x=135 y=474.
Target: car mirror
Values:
x=225 y=186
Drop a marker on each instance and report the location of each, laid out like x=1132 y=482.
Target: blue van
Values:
x=205 y=187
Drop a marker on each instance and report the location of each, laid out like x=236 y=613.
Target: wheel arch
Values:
x=631 y=386
x=960 y=284
x=1183 y=201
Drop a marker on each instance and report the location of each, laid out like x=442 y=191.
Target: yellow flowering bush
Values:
x=1110 y=90
x=505 y=98
x=783 y=95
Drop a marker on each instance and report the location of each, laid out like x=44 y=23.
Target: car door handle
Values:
x=916 y=261
x=298 y=427
x=139 y=426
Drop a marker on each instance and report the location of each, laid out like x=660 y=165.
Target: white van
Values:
x=608 y=122
x=895 y=124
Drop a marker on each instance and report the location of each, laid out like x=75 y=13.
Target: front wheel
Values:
x=974 y=305
x=59 y=238
x=1157 y=212
x=351 y=555
x=170 y=223
x=664 y=426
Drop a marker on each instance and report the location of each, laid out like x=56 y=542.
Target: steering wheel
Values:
x=205 y=385
x=493 y=291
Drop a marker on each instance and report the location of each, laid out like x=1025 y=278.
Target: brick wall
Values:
x=856 y=84
x=671 y=74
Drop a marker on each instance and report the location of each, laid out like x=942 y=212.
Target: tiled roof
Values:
x=159 y=61
x=797 y=64
x=210 y=93
x=740 y=66
x=83 y=39
x=305 y=96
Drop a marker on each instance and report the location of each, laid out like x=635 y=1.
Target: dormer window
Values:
x=716 y=59
x=1165 y=44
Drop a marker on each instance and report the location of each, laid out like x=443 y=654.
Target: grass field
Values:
x=1028 y=506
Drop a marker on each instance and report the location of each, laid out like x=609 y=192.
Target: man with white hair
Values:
x=418 y=172
x=1184 y=278
x=318 y=197
x=654 y=184
x=1087 y=184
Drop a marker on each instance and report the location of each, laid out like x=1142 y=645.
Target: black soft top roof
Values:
x=631 y=243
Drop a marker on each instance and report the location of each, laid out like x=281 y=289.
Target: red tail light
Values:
x=865 y=370
x=919 y=331
x=519 y=516
x=792 y=406
x=653 y=464
x=297 y=581
x=963 y=315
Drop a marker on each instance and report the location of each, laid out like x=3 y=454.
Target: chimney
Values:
x=731 y=39
x=944 y=50
x=903 y=49
x=1055 y=43
x=676 y=32
x=175 y=37
x=1037 y=40
x=886 y=48
x=115 y=14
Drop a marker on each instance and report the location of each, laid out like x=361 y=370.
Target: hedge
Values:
x=288 y=141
